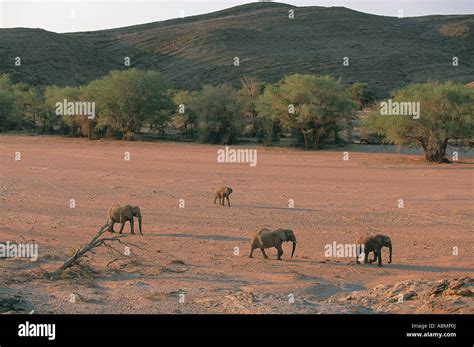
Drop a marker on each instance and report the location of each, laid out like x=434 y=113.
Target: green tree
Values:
x=315 y=107
x=78 y=124
x=7 y=103
x=21 y=105
x=251 y=89
x=128 y=99
x=219 y=110
x=31 y=106
x=268 y=122
x=446 y=112
x=185 y=117
x=361 y=95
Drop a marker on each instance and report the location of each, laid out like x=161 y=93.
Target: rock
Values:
x=460 y=292
x=438 y=288
x=455 y=284
x=409 y=295
x=379 y=287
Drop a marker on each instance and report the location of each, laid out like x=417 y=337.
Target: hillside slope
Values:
x=386 y=52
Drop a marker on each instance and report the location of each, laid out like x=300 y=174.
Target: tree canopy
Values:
x=315 y=107
x=446 y=112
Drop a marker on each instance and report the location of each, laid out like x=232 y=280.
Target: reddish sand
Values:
x=191 y=250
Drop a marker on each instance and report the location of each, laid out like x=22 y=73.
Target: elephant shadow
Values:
x=278 y=208
x=424 y=268
x=203 y=237
x=406 y=267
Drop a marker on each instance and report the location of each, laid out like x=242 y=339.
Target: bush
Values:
x=218 y=110
x=446 y=112
x=185 y=119
x=126 y=100
x=314 y=107
x=7 y=103
x=361 y=95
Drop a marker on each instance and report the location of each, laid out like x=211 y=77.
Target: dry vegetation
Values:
x=454 y=29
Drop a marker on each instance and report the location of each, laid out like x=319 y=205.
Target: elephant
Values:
x=122 y=214
x=374 y=243
x=221 y=194
x=266 y=238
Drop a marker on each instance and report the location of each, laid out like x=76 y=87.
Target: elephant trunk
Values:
x=294 y=249
x=140 y=225
x=390 y=255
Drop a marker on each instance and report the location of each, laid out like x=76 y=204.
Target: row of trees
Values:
x=313 y=109
x=124 y=102
x=308 y=106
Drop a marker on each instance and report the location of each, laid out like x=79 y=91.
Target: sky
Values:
x=72 y=15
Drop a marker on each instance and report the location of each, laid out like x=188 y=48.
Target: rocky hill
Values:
x=386 y=52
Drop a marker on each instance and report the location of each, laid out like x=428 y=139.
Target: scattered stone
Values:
x=414 y=296
x=14 y=305
x=409 y=295
x=439 y=288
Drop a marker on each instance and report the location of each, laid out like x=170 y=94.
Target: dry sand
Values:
x=188 y=254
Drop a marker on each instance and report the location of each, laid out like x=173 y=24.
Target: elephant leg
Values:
x=222 y=200
x=111 y=226
x=215 y=199
x=379 y=255
x=131 y=226
x=264 y=254
x=228 y=201
x=122 y=226
x=366 y=258
x=280 y=252
x=253 y=247
x=251 y=252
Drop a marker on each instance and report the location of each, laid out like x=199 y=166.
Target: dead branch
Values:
x=118 y=256
x=95 y=242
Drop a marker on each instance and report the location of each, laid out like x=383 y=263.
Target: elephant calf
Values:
x=374 y=243
x=221 y=194
x=123 y=214
x=267 y=239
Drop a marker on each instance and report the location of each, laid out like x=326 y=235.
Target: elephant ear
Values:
x=126 y=212
x=379 y=241
x=136 y=211
x=283 y=234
